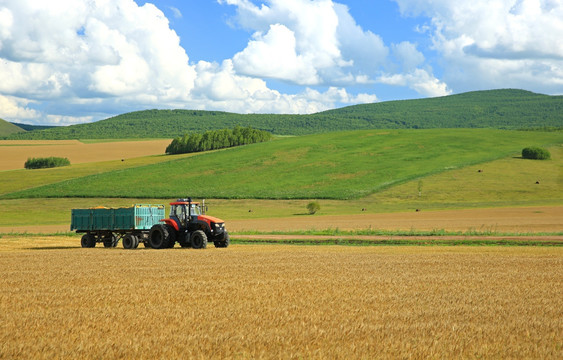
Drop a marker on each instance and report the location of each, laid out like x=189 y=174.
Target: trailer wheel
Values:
x=110 y=241
x=199 y=240
x=159 y=237
x=130 y=241
x=88 y=241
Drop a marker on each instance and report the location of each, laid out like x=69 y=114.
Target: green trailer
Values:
x=132 y=224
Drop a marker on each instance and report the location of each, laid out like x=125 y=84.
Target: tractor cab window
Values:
x=195 y=210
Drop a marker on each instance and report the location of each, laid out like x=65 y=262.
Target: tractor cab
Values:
x=184 y=211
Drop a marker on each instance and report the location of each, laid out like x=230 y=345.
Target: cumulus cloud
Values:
x=419 y=80
x=69 y=50
x=219 y=87
x=505 y=43
x=407 y=54
x=306 y=42
x=12 y=108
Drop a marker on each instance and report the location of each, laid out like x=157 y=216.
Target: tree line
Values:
x=217 y=139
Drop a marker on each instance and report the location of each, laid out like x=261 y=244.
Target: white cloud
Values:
x=273 y=55
x=504 y=43
x=419 y=80
x=177 y=13
x=407 y=54
x=114 y=51
x=15 y=109
x=62 y=120
x=306 y=42
x=219 y=87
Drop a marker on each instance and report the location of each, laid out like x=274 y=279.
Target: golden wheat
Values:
x=280 y=302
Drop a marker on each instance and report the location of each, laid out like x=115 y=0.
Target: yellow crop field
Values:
x=280 y=301
x=14 y=153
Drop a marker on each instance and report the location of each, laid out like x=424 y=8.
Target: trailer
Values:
x=104 y=225
x=187 y=225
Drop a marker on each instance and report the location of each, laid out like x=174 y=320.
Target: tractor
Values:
x=189 y=226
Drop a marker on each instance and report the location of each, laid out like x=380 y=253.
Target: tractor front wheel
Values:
x=199 y=239
x=184 y=240
x=224 y=242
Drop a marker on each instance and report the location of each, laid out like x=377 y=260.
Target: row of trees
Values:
x=217 y=139
x=48 y=162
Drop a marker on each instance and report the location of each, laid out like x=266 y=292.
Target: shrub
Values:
x=535 y=153
x=313 y=207
x=49 y=162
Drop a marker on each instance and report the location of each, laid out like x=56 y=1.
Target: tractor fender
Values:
x=172 y=223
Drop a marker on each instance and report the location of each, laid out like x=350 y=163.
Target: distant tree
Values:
x=313 y=207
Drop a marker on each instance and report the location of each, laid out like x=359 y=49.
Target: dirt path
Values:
x=525 y=219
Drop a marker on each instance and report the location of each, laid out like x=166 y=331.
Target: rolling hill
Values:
x=7 y=128
x=499 y=109
x=339 y=165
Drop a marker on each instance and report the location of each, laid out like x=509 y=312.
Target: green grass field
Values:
x=505 y=182
x=342 y=165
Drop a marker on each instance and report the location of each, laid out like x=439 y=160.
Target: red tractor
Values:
x=190 y=227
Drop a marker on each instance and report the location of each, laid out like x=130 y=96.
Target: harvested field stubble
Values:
x=282 y=302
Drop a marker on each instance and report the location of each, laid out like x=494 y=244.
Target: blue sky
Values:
x=74 y=61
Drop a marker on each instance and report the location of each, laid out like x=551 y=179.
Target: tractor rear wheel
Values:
x=88 y=241
x=172 y=236
x=159 y=237
x=199 y=239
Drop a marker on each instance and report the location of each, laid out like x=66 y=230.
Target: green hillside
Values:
x=500 y=109
x=7 y=128
x=341 y=165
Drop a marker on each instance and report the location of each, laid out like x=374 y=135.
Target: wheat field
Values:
x=279 y=301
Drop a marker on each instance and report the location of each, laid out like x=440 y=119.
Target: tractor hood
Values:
x=209 y=219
